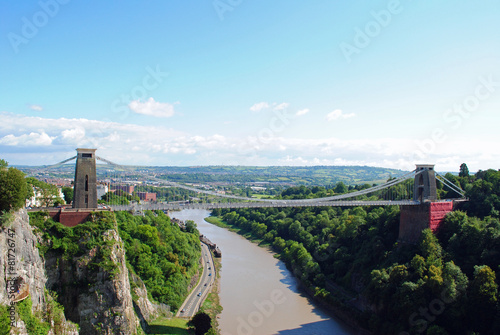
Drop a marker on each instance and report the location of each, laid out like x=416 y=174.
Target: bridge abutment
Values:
x=430 y=213
x=414 y=219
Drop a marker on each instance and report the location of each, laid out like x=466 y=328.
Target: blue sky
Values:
x=239 y=82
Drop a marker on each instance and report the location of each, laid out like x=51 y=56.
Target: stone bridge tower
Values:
x=430 y=213
x=425 y=183
x=85 y=185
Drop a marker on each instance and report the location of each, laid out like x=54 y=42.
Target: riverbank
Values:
x=332 y=303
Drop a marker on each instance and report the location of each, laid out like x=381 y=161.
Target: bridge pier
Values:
x=430 y=213
x=414 y=219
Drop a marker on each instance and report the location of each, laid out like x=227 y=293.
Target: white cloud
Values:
x=152 y=108
x=74 y=135
x=31 y=139
x=259 y=106
x=36 y=108
x=338 y=114
x=281 y=106
x=36 y=140
x=302 y=112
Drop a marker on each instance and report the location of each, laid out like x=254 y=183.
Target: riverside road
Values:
x=193 y=302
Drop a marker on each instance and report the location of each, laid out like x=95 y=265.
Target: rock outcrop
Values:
x=96 y=298
x=20 y=261
x=94 y=288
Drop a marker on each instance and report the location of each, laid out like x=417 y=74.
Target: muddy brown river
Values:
x=258 y=294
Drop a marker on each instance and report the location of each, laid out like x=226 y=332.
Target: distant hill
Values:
x=284 y=175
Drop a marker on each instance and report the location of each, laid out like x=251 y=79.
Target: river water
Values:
x=258 y=294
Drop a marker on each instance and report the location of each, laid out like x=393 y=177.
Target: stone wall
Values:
x=414 y=219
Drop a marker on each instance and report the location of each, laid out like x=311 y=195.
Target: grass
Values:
x=172 y=326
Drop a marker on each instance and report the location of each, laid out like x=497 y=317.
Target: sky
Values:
x=239 y=82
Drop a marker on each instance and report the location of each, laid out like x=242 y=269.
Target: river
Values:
x=258 y=294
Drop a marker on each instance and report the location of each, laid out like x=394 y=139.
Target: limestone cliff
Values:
x=92 y=285
x=20 y=260
x=94 y=288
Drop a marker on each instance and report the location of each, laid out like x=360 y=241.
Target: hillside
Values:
x=280 y=175
x=94 y=278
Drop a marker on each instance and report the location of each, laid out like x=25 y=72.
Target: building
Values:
x=125 y=188
x=146 y=196
x=102 y=189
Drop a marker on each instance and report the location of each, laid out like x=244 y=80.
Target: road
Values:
x=194 y=300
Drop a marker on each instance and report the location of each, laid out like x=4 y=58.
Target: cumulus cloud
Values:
x=35 y=140
x=31 y=139
x=281 y=106
x=36 y=108
x=152 y=108
x=302 y=112
x=266 y=105
x=259 y=106
x=338 y=114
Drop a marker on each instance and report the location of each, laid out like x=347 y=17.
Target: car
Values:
x=183 y=310
x=209 y=268
x=205 y=284
x=199 y=294
x=209 y=274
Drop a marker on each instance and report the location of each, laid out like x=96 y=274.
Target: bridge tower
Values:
x=85 y=185
x=430 y=213
x=425 y=183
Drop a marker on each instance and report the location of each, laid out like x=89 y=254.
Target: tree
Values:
x=340 y=188
x=68 y=194
x=201 y=323
x=464 y=170
x=49 y=192
x=483 y=298
x=13 y=188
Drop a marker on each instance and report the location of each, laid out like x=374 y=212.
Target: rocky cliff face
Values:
x=97 y=298
x=20 y=259
x=94 y=288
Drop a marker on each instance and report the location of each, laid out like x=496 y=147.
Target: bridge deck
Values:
x=281 y=203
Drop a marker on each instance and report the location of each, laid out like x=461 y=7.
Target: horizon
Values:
x=379 y=84
x=98 y=164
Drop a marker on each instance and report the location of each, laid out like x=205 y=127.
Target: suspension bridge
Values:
x=415 y=192
x=423 y=189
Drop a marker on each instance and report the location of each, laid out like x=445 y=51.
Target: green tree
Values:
x=68 y=194
x=49 y=193
x=201 y=323
x=464 y=170
x=340 y=188
x=483 y=298
x=13 y=188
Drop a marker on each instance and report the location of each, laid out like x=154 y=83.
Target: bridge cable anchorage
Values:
x=452 y=186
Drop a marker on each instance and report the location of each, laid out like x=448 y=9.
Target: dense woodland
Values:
x=164 y=256
x=445 y=284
